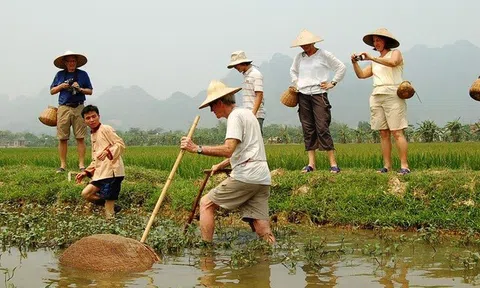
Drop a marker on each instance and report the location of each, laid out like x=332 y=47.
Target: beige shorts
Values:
x=68 y=116
x=250 y=199
x=388 y=112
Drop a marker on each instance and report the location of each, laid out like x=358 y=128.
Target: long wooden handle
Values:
x=196 y=201
x=167 y=184
x=208 y=173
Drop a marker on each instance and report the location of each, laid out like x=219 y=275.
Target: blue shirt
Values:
x=65 y=95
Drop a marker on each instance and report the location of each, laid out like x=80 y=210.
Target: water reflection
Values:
x=390 y=277
x=223 y=276
x=411 y=264
x=323 y=276
x=69 y=277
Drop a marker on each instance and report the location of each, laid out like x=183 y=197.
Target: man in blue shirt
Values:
x=72 y=84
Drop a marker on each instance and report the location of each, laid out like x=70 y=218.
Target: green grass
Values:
x=446 y=199
x=290 y=157
x=445 y=177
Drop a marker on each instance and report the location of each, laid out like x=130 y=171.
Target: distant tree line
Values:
x=426 y=131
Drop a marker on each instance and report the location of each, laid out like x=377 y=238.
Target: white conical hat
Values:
x=217 y=90
x=238 y=57
x=81 y=60
x=305 y=37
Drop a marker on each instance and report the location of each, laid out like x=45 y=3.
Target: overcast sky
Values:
x=168 y=46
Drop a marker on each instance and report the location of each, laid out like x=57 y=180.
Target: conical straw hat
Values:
x=81 y=60
x=217 y=90
x=305 y=37
x=368 y=39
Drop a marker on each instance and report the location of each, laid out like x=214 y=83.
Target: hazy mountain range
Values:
x=441 y=76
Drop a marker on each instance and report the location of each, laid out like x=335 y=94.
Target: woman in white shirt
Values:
x=388 y=112
x=310 y=72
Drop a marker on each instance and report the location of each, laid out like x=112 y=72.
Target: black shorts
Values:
x=109 y=187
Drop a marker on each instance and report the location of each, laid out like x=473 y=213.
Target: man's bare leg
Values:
x=62 y=152
x=207 y=218
x=262 y=227
x=90 y=193
x=81 y=148
x=109 y=209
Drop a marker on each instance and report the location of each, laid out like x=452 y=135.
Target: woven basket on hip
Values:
x=290 y=97
x=405 y=90
x=475 y=90
x=49 y=116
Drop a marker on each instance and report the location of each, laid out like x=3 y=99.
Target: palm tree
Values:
x=428 y=131
x=362 y=132
x=454 y=130
x=409 y=132
x=344 y=133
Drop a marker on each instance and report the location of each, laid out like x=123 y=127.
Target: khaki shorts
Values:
x=388 y=112
x=68 y=116
x=250 y=199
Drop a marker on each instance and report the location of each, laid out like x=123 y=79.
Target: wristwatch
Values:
x=199 y=149
x=333 y=83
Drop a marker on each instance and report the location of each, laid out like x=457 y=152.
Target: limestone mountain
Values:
x=441 y=76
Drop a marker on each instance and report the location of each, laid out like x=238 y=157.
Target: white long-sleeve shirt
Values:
x=308 y=72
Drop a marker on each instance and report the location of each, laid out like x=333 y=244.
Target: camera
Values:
x=359 y=57
x=71 y=89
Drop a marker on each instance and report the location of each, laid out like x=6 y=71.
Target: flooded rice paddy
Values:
x=331 y=257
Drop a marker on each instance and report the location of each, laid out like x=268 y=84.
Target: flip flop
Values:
x=307 y=169
x=60 y=170
x=117 y=208
x=334 y=169
x=383 y=170
x=404 y=171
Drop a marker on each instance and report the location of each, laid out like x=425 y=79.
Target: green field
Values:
x=442 y=190
x=289 y=157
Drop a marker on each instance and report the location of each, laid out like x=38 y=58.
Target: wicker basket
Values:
x=290 y=97
x=49 y=116
x=405 y=90
x=475 y=90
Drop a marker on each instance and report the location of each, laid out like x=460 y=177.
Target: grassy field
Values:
x=39 y=208
x=442 y=191
x=289 y=157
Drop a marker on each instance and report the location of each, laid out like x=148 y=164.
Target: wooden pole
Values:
x=167 y=184
x=208 y=173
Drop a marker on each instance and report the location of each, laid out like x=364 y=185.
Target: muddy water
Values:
x=365 y=261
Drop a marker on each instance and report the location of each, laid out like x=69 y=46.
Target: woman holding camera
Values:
x=388 y=113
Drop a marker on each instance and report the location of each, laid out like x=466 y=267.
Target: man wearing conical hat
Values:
x=310 y=75
x=388 y=112
x=248 y=187
x=72 y=84
x=252 y=85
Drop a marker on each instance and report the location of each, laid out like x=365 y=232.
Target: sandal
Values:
x=403 y=171
x=117 y=208
x=383 y=170
x=307 y=169
x=334 y=169
x=60 y=170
